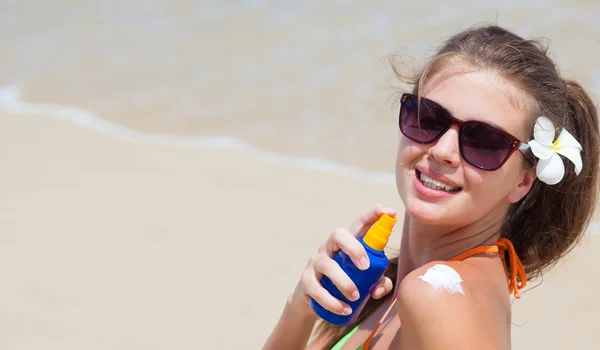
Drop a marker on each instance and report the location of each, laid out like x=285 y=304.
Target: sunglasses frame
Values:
x=515 y=143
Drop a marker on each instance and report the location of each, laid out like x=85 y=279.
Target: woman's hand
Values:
x=323 y=264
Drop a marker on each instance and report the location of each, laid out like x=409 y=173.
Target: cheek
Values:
x=476 y=179
x=409 y=151
x=487 y=185
x=509 y=175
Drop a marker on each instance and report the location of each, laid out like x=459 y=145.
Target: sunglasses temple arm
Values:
x=525 y=149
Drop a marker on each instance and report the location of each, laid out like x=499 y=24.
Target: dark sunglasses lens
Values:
x=484 y=146
x=426 y=127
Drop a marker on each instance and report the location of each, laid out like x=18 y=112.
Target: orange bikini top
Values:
x=501 y=247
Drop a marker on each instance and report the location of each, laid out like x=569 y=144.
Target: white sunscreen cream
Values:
x=443 y=276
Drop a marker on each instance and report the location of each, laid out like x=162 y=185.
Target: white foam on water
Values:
x=10 y=102
x=594 y=227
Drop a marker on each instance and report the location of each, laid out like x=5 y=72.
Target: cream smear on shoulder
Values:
x=443 y=277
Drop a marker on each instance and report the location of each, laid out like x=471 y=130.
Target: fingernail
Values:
x=355 y=295
x=347 y=310
x=364 y=262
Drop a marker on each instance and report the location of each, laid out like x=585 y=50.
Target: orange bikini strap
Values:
x=502 y=246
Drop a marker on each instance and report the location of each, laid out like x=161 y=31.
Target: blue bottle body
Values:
x=365 y=281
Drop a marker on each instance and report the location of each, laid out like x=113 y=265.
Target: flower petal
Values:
x=543 y=131
x=539 y=150
x=551 y=170
x=574 y=155
x=565 y=139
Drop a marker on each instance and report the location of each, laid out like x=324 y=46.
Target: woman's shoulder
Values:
x=456 y=302
x=449 y=280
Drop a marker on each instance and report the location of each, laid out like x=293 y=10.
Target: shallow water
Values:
x=308 y=79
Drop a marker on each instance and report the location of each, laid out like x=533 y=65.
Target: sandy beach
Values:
x=109 y=244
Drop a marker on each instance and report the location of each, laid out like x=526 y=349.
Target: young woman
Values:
x=497 y=168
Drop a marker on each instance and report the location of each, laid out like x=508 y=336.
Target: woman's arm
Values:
x=438 y=318
x=292 y=331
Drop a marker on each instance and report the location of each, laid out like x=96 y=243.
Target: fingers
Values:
x=383 y=287
x=314 y=289
x=344 y=240
x=360 y=226
x=338 y=276
x=314 y=285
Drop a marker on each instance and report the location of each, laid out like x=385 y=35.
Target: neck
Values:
x=423 y=243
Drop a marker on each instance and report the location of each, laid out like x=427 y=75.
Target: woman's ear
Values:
x=523 y=187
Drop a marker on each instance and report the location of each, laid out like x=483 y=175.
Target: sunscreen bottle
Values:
x=374 y=242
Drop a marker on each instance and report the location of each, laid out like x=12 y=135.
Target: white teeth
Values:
x=437 y=185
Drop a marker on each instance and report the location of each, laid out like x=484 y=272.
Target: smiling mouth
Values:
x=436 y=185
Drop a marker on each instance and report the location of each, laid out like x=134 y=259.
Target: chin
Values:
x=450 y=211
x=426 y=214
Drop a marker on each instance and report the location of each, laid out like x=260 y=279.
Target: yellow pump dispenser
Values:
x=377 y=236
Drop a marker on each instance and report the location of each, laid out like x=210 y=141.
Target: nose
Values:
x=445 y=150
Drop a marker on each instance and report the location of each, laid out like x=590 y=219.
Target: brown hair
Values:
x=547 y=223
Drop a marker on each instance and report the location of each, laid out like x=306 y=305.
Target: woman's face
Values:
x=468 y=95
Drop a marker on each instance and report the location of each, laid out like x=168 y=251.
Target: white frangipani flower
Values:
x=550 y=168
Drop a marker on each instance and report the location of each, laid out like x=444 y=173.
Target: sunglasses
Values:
x=481 y=145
